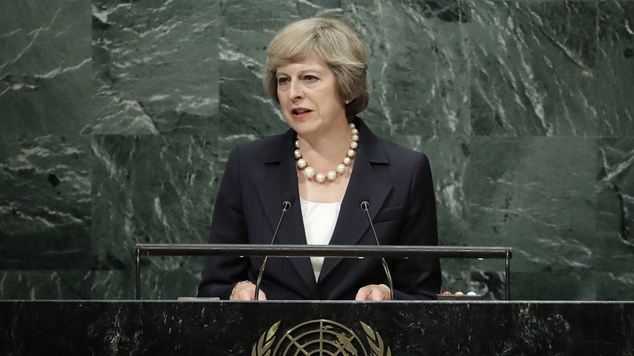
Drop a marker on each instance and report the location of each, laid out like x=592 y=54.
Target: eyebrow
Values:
x=301 y=72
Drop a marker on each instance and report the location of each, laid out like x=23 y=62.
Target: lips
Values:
x=300 y=113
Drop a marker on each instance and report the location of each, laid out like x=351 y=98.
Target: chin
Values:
x=303 y=126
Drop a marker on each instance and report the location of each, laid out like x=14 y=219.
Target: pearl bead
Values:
x=309 y=172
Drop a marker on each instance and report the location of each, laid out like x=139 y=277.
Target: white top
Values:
x=319 y=223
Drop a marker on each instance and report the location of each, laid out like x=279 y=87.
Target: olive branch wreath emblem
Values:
x=267 y=340
x=375 y=341
x=262 y=348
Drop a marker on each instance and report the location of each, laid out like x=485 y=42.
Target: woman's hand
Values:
x=245 y=290
x=373 y=292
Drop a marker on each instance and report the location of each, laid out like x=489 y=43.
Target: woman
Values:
x=316 y=70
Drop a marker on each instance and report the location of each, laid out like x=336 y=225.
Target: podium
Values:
x=342 y=251
x=298 y=328
x=281 y=328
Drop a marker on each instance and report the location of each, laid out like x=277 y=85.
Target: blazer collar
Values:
x=365 y=184
x=352 y=223
x=370 y=144
x=280 y=179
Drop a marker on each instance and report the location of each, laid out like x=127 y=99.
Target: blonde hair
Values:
x=336 y=44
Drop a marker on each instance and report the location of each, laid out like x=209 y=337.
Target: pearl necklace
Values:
x=309 y=172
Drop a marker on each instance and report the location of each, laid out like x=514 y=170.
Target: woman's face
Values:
x=308 y=96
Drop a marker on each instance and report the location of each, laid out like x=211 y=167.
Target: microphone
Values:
x=365 y=205
x=289 y=199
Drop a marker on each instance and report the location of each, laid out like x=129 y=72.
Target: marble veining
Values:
x=117 y=118
x=175 y=180
x=546 y=67
x=143 y=82
x=44 y=67
x=46 y=214
x=225 y=328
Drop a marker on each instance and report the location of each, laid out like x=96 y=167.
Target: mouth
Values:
x=300 y=112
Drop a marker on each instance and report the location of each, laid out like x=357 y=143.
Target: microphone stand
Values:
x=286 y=205
x=364 y=206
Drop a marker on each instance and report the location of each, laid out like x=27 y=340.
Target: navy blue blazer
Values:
x=395 y=180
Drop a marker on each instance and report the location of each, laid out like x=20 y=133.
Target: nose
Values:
x=296 y=91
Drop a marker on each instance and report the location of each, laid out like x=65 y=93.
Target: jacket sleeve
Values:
x=228 y=227
x=417 y=278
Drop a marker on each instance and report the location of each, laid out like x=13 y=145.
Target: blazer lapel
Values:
x=281 y=177
x=365 y=183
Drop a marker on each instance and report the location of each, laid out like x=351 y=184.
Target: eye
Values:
x=310 y=78
x=282 y=80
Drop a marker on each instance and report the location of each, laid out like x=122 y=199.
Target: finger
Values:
x=248 y=293
x=376 y=294
x=362 y=294
x=385 y=291
x=244 y=291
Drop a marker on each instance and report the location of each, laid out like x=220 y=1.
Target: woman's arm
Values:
x=228 y=226
x=417 y=278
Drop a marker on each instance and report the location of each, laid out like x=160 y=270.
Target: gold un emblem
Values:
x=319 y=337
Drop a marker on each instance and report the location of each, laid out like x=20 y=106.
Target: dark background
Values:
x=116 y=119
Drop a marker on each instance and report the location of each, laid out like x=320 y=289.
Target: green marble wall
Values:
x=117 y=118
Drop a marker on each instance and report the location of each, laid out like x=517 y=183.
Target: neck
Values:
x=331 y=147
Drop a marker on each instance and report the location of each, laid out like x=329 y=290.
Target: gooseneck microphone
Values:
x=289 y=199
x=365 y=205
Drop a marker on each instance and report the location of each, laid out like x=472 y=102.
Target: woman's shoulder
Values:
x=392 y=150
x=405 y=160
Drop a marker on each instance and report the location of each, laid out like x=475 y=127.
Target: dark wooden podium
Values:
x=303 y=328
